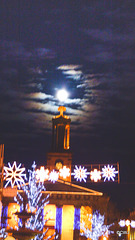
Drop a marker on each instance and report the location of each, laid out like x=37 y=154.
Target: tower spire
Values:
x=60 y=154
x=60 y=131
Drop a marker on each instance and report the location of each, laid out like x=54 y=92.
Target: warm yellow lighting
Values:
x=9 y=238
x=66 y=137
x=105 y=238
x=50 y=214
x=12 y=221
x=86 y=217
x=62 y=95
x=67 y=222
x=59 y=165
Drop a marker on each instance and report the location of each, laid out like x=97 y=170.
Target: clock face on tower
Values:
x=58 y=164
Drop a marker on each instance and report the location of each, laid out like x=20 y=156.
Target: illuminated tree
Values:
x=3 y=233
x=97 y=229
x=32 y=200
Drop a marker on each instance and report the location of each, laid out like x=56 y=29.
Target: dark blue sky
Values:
x=87 y=47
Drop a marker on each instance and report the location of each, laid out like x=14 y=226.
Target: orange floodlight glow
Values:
x=105 y=238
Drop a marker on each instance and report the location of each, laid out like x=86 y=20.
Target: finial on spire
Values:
x=61 y=109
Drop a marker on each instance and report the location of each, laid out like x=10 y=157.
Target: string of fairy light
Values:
x=16 y=174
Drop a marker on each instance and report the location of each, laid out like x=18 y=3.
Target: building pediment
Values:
x=67 y=193
x=64 y=187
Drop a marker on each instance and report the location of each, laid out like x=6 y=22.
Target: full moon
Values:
x=62 y=95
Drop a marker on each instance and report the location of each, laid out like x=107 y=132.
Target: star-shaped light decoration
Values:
x=14 y=175
x=95 y=175
x=64 y=172
x=109 y=173
x=80 y=173
x=53 y=176
x=42 y=174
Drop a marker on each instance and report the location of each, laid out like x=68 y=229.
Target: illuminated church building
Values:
x=69 y=203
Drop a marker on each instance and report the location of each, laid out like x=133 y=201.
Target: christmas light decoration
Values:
x=98 y=228
x=127 y=222
x=80 y=173
x=64 y=172
x=42 y=174
x=3 y=233
x=109 y=173
x=14 y=175
x=106 y=174
x=53 y=176
x=122 y=223
x=132 y=224
x=34 y=202
x=95 y=175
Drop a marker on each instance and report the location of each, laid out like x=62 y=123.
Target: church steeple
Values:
x=60 y=155
x=60 y=131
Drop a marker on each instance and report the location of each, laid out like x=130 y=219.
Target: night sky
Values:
x=88 y=48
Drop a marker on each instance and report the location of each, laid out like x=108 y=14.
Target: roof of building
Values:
x=64 y=187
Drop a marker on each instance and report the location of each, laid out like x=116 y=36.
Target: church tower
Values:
x=60 y=154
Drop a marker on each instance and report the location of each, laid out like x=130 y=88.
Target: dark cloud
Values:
x=17 y=51
x=107 y=35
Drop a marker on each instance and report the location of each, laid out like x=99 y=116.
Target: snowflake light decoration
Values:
x=95 y=175
x=80 y=173
x=14 y=175
x=42 y=174
x=132 y=224
x=122 y=223
x=64 y=172
x=53 y=176
x=109 y=173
